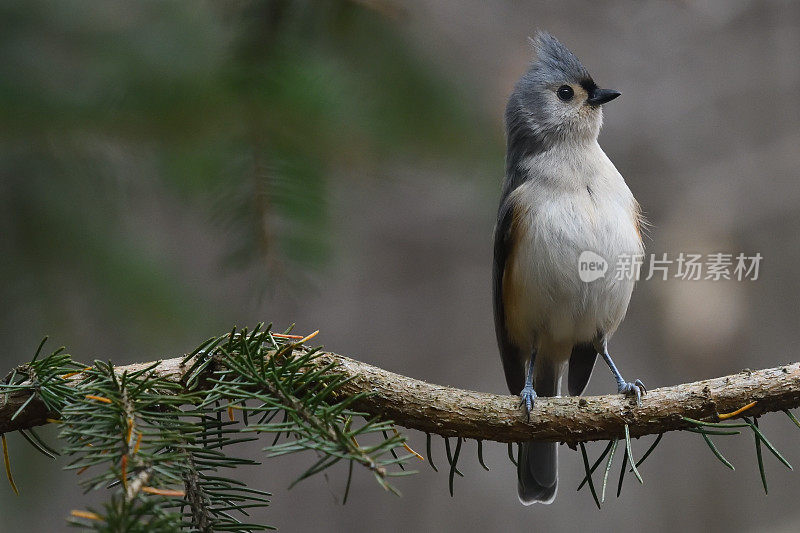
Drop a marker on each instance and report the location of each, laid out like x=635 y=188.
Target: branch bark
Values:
x=451 y=412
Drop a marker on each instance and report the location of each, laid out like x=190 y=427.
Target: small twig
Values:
x=760 y=459
x=622 y=472
x=480 y=455
x=650 y=449
x=768 y=444
x=450 y=457
x=408 y=448
x=164 y=492
x=589 y=474
x=86 y=514
x=608 y=468
x=511 y=453
x=7 y=463
x=630 y=454
x=717 y=452
x=596 y=464
x=429 y=453
x=739 y=411
x=453 y=467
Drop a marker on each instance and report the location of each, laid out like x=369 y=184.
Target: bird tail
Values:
x=537 y=472
x=537 y=463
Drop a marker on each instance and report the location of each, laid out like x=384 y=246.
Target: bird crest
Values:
x=554 y=60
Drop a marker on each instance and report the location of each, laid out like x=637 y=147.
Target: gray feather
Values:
x=512 y=356
x=556 y=63
x=581 y=363
x=537 y=472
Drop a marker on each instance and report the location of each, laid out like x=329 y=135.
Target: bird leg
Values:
x=528 y=395
x=628 y=388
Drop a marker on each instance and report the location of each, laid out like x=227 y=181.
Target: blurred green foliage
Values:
x=234 y=114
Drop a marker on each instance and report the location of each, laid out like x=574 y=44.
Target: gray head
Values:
x=555 y=100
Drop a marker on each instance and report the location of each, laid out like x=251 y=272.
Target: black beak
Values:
x=600 y=96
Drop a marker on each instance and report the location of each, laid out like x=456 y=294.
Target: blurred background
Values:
x=170 y=169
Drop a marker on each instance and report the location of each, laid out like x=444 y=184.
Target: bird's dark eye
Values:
x=565 y=93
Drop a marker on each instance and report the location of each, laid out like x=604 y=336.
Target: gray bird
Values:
x=562 y=199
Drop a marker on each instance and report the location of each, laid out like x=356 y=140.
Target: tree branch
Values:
x=454 y=412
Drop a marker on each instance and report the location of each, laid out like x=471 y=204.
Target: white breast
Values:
x=572 y=204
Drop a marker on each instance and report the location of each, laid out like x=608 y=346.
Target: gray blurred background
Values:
x=168 y=170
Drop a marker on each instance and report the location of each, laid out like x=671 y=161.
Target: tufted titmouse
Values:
x=562 y=197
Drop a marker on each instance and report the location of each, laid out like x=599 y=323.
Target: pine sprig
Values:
x=262 y=374
x=160 y=447
x=45 y=378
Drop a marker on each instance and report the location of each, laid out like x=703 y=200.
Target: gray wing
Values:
x=511 y=354
x=581 y=363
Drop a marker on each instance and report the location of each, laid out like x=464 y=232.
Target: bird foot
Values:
x=632 y=388
x=527 y=398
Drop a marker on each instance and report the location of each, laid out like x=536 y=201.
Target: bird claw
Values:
x=527 y=398
x=635 y=388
